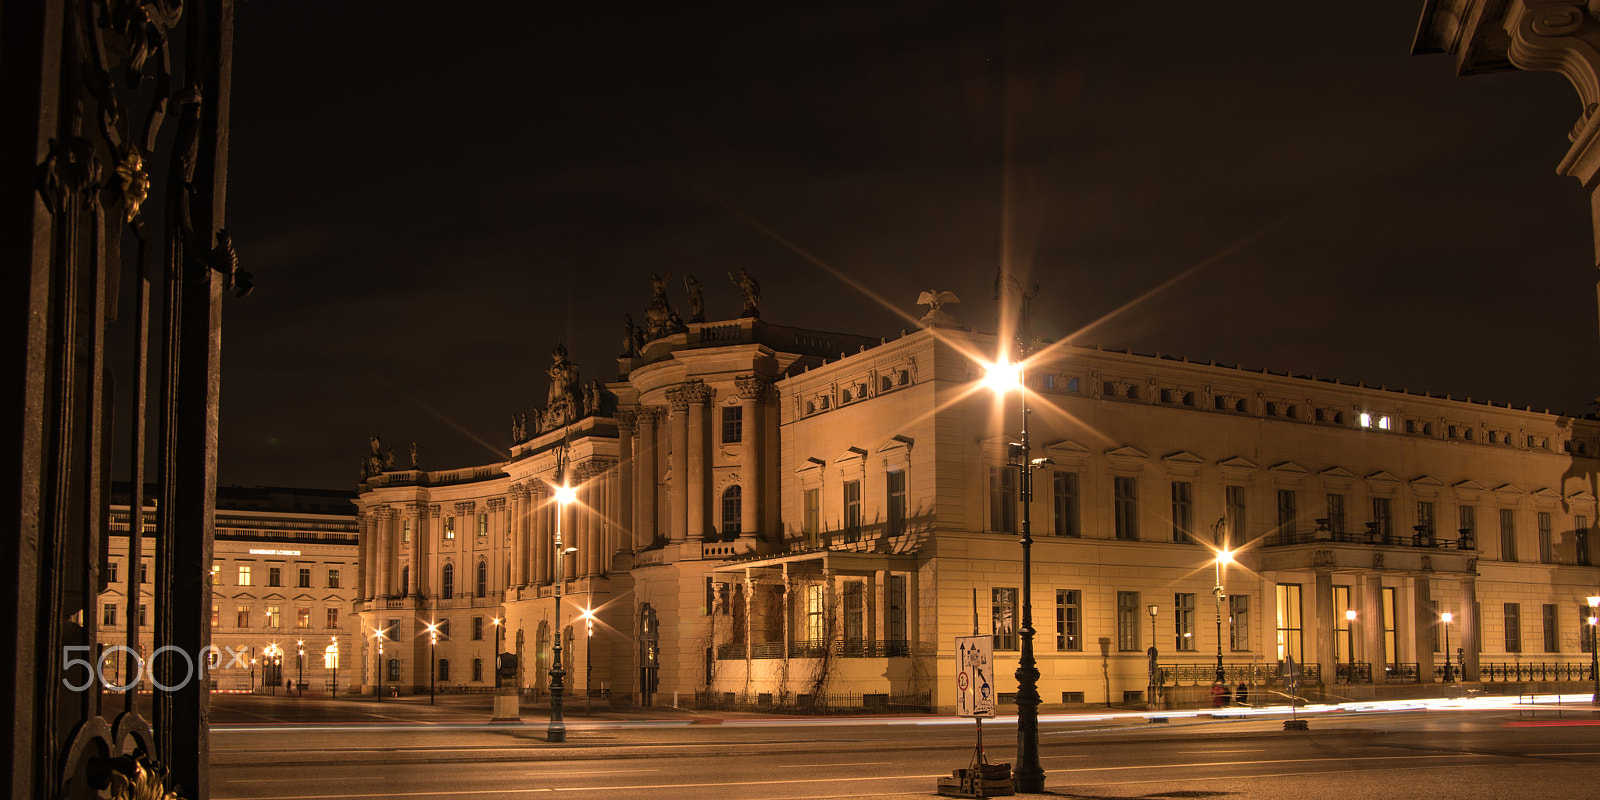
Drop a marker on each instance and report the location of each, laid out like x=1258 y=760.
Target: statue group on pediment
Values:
x=379 y=461
x=662 y=319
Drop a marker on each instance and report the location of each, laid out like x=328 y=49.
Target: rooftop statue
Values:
x=937 y=317
x=697 y=301
x=750 y=291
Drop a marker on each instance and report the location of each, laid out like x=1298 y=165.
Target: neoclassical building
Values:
x=774 y=514
x=283 y=582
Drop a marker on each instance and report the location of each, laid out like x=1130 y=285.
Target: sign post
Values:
x=975 y=698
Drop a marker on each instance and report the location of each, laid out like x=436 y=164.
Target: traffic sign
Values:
x=975 y=676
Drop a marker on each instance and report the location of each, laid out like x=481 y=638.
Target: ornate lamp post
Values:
x=433 y=661
x=495 y=662
x=1224 y=556
x=557 y=732
x=1028 y=776
x=1350 y=642
x=1154 y=656
x=1445 y=619
x=1594 y=647
x=588 y=652
x=335 y=646
x=300 y=670
x=275 y=660
x=378 y=635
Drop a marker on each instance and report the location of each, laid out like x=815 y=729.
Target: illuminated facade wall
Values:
x=284 y=571
x=768 y=511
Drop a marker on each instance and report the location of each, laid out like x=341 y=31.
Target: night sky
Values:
x=431 y=195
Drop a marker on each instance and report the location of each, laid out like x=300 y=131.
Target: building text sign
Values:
x=975 y=676
x=269 y=552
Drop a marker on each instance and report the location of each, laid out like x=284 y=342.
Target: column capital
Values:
x=626 y=418
x=754 y=387
x=690 y=392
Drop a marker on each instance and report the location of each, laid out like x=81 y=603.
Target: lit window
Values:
x=1383 y=423
x=244 y=576
x=1365 y=420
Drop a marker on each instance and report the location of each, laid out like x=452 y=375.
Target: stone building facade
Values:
x=778 y=514
x=284 y=576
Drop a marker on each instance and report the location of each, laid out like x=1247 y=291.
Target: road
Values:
x=403 y=751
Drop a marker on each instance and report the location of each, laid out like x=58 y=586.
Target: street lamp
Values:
x=378 y=635
x=335 y=646
x=1350 y=642
x=275 y=660
x=495 y=662
x=588 y=651
x=1594 y=647
x=300 y=670
x=557 y=732
x=1224 y=556
x=1029 y=774
x=1445 y=618
x=433 y=662
x=1154 y=670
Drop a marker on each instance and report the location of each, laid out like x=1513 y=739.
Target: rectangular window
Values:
x=302 y=617
x=1289 y=627
x=333 y=579
x=1467 y=521
x=1547 y=548
x=1183 y=621
x=1383 y=519
x=1003 y=617
x=1552 y=628
x=1182 y=511
x=1391 y=617
x=108 y=614
x=1065 y=496
x=897 y=502
x=732 y=424
x=813 y=514
x=111 y=572
x=274 y=576
x=144 y=572
x=1343 y=636
x=897 y=608
x=216 y=616
x=1126 y=500
x=1508 y=535
x=216 y=575
x=1069 y=619
x=1002 y=500
x=1513 y=612
x=142 y=622
x=274 y=616
x=1286 y=513
x=710 y=600
x=333 y=619
x=241 y=617
x=855 y=619
x=477 y=629
x=1425 y=517
x=1234 y=507
x=1239 y=622
x=449 y=527
x=1336 y=513
x=1580 y=540
x=244 y=576
x=852 y=511
x=1128 y=622
x=483 y=524
x=814 y=614
x=405 y=531
x=305 y=578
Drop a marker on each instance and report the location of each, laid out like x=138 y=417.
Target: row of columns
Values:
x=692 y=435
x=762 y=607
x=1369 y=600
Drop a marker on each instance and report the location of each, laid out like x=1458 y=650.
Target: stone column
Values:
x=519 y=532
x=878 y=616
x=678 y=464
x=499 y=525
x=913 y=632
x=625 y=520
x=696 y=524
x=753 y=392
x=366 y=552
x=1470 y=645
x=541 y=543
x=787 y=627
x=645 y=479
x=385 y=550
x=422 y=538
x=1372 y=625
x=1323 y=597
x=751 y=608
x=1426 y=625
x=416 y=514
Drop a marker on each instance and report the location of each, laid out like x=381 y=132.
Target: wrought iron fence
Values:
x=1534 y=671
x=1197 y=674
x=1359 y=672
x=813 y=704
x=1403 y=673
x=814 y=648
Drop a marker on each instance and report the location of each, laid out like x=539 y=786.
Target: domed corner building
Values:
x=774 y=516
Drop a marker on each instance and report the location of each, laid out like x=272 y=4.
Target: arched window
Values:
x=405 y=579
x=732 y=510
x=447 y=582
x=444 y=670
x=483 y=578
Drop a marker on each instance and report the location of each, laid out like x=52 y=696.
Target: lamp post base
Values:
x=507 y=707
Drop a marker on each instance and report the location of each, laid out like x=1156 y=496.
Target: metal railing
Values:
x=1534 y=671
x=819 y=705
x=1199 y=674
x=809 y=648
x=1423 y=540
x=1359 y=672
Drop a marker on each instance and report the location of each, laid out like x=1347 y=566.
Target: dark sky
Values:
x=431 y=195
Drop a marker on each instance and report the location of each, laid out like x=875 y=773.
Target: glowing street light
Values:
x=1224 y=556
x=300 y=670
x=1594 y=657
x=557 y=732
x=1445 y=618
x=433 y=662
x=1028 y=776
x=378 y=636
x=1350 y=634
